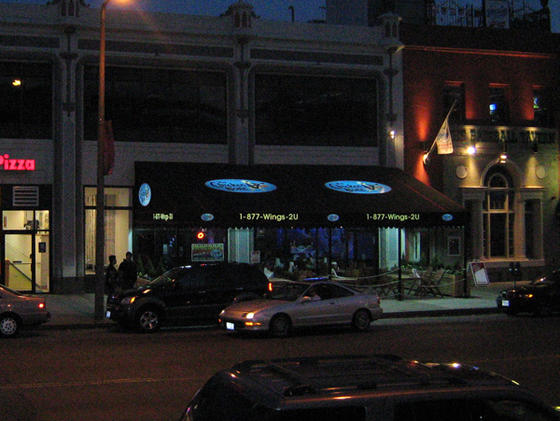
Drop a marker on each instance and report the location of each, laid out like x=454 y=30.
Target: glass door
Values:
x=18 y=258
x=41 y=261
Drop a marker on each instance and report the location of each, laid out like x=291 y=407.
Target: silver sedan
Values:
x=17 y=310
x=297 y=304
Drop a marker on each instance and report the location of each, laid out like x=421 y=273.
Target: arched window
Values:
x=498 y=214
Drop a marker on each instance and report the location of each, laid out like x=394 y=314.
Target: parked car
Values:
x=362 y=388
x=541 y=296
x=19 y=310
x=184 y=294
x=290 y=304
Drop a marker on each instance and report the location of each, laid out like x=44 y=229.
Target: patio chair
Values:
x=415 y=282
x=431 y=285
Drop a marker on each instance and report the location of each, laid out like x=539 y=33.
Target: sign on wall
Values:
x=207 y=252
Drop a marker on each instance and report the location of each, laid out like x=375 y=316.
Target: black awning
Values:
x=288 y=195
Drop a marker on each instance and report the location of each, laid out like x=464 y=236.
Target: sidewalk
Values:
x=74 y=311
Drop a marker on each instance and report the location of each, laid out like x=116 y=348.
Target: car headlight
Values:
x=222 y=312
x=127 y=301
x=249 y=315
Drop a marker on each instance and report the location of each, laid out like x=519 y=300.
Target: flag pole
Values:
x=427 y=154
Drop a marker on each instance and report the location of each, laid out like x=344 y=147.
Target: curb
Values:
x=392 y=315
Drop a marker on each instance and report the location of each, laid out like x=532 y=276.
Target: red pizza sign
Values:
x=10 y=164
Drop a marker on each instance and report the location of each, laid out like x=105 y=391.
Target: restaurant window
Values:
x=315 y=110
x=159 y=105
x=118 y=224
x=454 y=96
x=497 y=105
x=26 y=105
x=498 y=214
x=542 y=107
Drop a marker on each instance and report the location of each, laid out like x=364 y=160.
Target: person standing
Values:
x=111 y=275
x=128 y=272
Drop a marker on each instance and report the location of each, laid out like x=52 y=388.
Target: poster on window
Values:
x=478 y=272
x=207 y=252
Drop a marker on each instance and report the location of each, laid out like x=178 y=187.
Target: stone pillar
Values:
x=241 y=15
x=67 y=193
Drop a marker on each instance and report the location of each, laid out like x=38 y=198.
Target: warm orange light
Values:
x=270 y=287
x=16 y=82
x=200 y=235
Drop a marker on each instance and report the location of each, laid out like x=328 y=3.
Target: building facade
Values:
x=498 y=90
x=230 y=89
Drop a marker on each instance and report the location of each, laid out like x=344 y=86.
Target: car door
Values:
x=180 y=295
x=318 y=307
x=346 y=303
x=217 y=293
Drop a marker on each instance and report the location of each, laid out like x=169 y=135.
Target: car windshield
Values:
x=166 y=277
x=288 y=291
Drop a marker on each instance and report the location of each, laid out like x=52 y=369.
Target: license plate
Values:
x=230 y=326
x=108 y=314
x=505 y=303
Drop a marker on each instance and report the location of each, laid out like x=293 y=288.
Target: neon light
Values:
x=235 y=185
x=8 y=164
x=357 y=187
x=145 y=194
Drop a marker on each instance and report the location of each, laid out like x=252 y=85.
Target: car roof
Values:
x=281 y=380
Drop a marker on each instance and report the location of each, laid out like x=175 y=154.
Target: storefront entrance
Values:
x=25 y=253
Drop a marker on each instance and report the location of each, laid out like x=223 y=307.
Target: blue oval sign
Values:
x=447 y=217
x=357 y=187
x=333 y=217
x=207 y=217
x=145 y=194
x=236 y=185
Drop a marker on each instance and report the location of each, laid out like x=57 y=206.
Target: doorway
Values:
x=25 y=253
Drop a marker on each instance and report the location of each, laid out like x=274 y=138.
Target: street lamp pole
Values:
x=100 y=200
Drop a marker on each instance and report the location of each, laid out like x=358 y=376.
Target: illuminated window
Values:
x=118 y=224
x=497 y=105
x=542 y=107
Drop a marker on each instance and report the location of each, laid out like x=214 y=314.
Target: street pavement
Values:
x=71 y=311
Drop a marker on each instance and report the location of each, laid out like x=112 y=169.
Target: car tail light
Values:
x=42 y=305
x=270 y=287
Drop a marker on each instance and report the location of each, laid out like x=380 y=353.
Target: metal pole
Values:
x=100 y=200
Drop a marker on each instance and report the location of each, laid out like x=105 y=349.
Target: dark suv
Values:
x=186 y=293
x=360 y=388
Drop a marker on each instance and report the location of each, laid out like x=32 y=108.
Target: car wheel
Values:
x=148 y=319
x=9 y=325
x=280 y=326
x=361 y=320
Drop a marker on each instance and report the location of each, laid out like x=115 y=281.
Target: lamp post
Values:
x=100 y=200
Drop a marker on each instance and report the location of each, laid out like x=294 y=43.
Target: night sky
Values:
x=305 y=10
